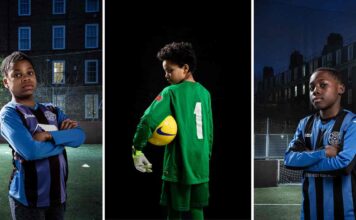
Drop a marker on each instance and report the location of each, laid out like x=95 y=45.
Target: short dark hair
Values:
x=179 y=53
x=333 y=72
x=10 y=60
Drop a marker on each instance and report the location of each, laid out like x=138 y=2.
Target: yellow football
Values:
x=165 y=132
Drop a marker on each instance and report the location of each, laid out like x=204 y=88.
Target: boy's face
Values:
x=174 y=73
x=325 y=90
x=21 y=80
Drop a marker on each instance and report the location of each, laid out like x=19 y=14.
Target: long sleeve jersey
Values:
x=186 y=159
x=329 y=183
x=40 y=174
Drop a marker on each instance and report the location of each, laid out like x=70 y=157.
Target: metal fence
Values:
x=271 y=138
x=270 y=146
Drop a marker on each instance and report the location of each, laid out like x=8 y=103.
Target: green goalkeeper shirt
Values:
x=186 y=158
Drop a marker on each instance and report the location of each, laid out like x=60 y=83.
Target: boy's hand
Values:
x=68 y=124
x=42 y=136
x=331 y=150
x=140 y=161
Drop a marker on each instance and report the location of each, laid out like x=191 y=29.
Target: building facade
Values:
x=291 y=87
x=64 y=40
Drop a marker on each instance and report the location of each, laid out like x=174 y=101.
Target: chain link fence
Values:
x=271 y=140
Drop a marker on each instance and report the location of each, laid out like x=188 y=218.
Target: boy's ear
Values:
x=341 y=89
x=186 y=68
x=4 y=82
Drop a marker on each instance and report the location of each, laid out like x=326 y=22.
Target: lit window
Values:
x=58 y=72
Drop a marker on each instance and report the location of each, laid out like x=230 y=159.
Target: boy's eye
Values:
x=323 y=85
x=30 y=73
x=17 y=75
x=311 y=88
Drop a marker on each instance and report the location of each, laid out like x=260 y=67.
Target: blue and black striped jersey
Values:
x=329 y=183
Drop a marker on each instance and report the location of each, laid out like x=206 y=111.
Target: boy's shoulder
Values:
x=186 y=84
x=7 y=109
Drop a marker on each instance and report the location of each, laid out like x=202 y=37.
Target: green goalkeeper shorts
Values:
x=182 y=197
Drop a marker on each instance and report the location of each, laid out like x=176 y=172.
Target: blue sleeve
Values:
x=297 y=156
x=18 y=136
x=344 y=161
x=70 y=137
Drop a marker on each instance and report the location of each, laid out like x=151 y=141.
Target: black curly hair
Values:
x=10 y=60
x=333 y=72
x=179 y=53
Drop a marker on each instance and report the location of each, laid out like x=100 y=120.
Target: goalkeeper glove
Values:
x=140 y=161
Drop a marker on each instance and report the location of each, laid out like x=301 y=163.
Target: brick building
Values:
x=64 y=39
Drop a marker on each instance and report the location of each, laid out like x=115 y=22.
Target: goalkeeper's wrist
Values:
x=136 y=153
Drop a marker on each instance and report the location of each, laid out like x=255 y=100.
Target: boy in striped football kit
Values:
x=324 y=147
x=186 y=159
x=37 y=134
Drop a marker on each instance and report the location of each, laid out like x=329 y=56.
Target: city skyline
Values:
x=281 y=27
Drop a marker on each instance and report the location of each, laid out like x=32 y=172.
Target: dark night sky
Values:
x=282 y=26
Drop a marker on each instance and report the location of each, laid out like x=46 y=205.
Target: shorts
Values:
x=183 y=197
x=19 y=211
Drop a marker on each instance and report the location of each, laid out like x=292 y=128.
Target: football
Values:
x=165 y=132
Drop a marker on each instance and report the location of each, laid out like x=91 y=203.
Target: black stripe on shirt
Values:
x=338 y=200
x=30 y=182
x=306 y=204
x=319 y=189
x=55 y=189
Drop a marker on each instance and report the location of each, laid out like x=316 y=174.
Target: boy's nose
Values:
x=316 y=90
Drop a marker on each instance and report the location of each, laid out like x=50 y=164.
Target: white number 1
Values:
x=198 y=120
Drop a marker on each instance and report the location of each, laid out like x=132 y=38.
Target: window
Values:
x=295 y=91
x=91 y=35
x=24 y=7
x=58 y=7
x=91 y=71
x=338 y=56
x=350 y=54
x=304 y=91
x=349 y=96
x=58 y=37
x=59 y=101
x=91 y=106
x=304 y=70
x=24 y=38
x=58 y=67
x=91 y=5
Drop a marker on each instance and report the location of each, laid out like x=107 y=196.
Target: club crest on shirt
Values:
x=334 y=138
x=50 y=116
x=158 y=98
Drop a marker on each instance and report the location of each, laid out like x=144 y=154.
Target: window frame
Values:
x=19 y=39
x=64 y=72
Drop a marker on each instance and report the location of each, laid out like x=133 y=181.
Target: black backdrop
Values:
x=134 y=77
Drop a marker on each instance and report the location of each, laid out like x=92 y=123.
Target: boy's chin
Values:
x=25 y=96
